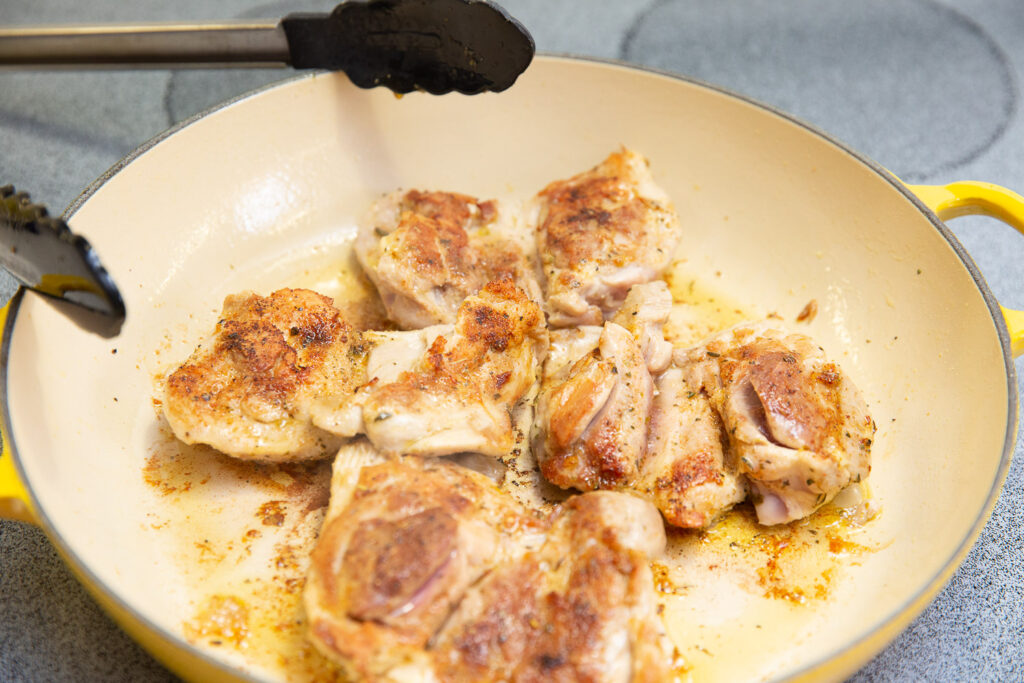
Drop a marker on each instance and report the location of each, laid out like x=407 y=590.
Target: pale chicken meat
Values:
x=643 y=314
x=798 y=427
x=462 y=392
x=591 y=420
x=686 y=471
x=426 y=571
x=598 y=234
x=254 y=389
x=427 y=251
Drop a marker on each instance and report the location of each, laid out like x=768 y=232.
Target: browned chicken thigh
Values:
x=591 y=419
x=253 y=389
x=687 y=472
x=427 y=251
x=426 y=571
x=662 y=440
x=798 y=427
x=398 y=555
x=461 y=393
x=285 y=378
x=598 y=234
x=579 y=609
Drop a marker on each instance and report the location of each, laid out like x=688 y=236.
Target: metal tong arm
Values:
x=221 y=43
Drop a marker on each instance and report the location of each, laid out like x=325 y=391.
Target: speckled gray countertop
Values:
x=928 y=88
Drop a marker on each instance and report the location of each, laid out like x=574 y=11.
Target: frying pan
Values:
x=266 y=191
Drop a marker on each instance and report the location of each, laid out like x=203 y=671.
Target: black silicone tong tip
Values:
x=42 y=253
x=469 y=46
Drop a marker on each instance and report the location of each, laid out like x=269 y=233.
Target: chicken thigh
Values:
x=427 y=251
x=460 y=395
x=579 y=609
x=687 y=472
x=598 y=234
x=661 y=441
x=253 y=389
x=798 y=427
x=426 y=571
x=397 y=556
x=592 y=416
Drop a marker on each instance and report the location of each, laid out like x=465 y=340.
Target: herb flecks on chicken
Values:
x=427 y=571
x=598 y=234
x=617 y=417
x=798 y=427
x=427 y=251
x=253 y=388
x=461 y=392
x=753 y=411
x=592 y=416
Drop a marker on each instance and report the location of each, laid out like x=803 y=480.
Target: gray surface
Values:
x=929 y=89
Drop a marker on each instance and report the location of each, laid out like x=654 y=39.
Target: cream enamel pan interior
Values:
x=774 y=213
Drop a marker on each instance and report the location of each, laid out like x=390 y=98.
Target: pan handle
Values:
x=976 y=198
x=15 y=502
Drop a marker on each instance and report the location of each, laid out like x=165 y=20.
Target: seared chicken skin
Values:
x=591 y=420
x=598 y=234
x=427 y=251
x=798 y=427
x=285 y=378
x=460 y=394
x=426 y=571
x=254 y=388
x=393 y=562
x=687 y=472
x=604 y=422
x=579 y=609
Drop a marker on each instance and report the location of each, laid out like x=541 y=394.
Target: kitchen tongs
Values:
x=469 y=46
x=42 y=253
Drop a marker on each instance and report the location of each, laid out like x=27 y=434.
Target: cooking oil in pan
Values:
x=242 y=532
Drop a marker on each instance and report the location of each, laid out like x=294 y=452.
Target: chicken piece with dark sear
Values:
x=461 y=393
x=598 y=234
x=591 y=418
x=581 y=608
x=427 y=251
x=426 y=571
x=396 y=555
x=620 y=418
x=798 y=427
x=687 y=472
x=255 y=388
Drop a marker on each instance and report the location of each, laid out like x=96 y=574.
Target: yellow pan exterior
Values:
x=974 y=198
x=775 y=214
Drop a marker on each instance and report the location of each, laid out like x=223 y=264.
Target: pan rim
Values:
x=899 y=617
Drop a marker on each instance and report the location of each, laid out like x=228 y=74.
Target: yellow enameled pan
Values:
x=266 y=191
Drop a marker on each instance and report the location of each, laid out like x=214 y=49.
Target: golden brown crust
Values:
x=427 y=251
x=591 y=216
x=460 y=394
x=437 y=250
x=600 y=232
x=568 y=612
x=452 y=207
x=390 y=566
x=786 y=392
x=592 y=420
x=799 y=428
x=248 y=391
x=389 y=561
